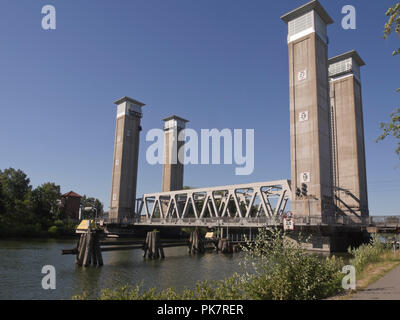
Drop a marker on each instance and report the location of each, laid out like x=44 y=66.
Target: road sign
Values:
x=288 y=222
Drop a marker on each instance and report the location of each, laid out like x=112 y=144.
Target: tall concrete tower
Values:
x=349 y=170
x=310 y=139
x=126 y=152
x=172 y=178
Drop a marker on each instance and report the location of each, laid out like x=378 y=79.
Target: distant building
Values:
x=70 y=204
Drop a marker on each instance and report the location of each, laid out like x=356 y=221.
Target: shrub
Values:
x=59 y=223
x=283 y=270
x=367 y=253
x=277 y=269
x=53 y=230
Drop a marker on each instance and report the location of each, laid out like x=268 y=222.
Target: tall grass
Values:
x=367 y=253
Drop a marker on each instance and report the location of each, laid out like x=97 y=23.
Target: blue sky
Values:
x=220 y=64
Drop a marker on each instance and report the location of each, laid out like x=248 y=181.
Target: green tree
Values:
x=45 y=202
x=93 y=202
x=2 y=201
x=392 y=128
x=393 y=23
x=15 y=187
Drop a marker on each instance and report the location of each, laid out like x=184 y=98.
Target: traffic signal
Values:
x=303 y=189
x=298 y=192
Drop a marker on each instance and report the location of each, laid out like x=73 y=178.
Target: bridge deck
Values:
x=372 y=224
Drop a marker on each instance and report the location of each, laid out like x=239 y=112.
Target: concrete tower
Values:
x=172 y=178
x=126 y=152
x=349 y=170
x=310 y=140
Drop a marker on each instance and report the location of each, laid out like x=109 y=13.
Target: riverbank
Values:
x=373 y=272
x=59 y=230
x=272 y=268
x=45 y=235
x=279 y=271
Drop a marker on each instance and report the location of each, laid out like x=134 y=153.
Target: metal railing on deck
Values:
x=334 y=220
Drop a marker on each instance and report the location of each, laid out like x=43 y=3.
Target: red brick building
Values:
x=70 y=204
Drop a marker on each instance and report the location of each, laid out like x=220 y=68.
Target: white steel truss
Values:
x=264 y=200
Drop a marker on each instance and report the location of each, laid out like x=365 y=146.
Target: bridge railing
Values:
x=170 y=220
x=334 y=220
x=389 y=221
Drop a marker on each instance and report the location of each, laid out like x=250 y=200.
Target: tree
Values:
x=92 y=202
x=45 y=201
x=392 y=128
x=15 y=187
x=393 y=23
x=2 y=200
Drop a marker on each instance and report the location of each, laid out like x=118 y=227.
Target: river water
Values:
x=21 y=263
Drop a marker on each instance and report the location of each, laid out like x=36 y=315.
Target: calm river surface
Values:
x=21 y=263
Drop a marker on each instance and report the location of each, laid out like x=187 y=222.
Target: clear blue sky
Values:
x=220 y=64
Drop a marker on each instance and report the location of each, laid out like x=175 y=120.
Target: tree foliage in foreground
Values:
x=392 y=128
x=393 y=23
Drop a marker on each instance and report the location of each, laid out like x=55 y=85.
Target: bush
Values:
x=10 y=228
x=367 y=253
x=283 y=270
x=67 y=229
x=59 y=223
x=53 y=230
x=277 y=269
x=228 y=289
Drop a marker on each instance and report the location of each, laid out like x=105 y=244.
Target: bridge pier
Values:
x=153 y=247
x=330 y=239
x=225 y=246
x=88 y=250
x=196 y=244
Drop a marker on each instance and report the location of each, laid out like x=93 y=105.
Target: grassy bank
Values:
x=386 y=261
x=276 y=269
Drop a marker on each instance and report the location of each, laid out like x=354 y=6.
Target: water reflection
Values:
x=22 y=262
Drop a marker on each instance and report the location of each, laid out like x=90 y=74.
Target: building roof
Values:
x=123 y=99
x=71 y=194
x=174 y=117
x=351 y=54
x=312 y=5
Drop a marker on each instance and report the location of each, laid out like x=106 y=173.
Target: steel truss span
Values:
x=254 y=204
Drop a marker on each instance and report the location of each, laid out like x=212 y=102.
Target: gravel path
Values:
x=386 y=288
